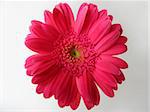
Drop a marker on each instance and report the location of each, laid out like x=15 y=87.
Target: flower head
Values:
x=75 y=55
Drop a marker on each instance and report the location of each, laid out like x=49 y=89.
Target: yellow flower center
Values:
x=75 y=53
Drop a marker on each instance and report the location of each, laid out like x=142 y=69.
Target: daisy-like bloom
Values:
x=75 y=56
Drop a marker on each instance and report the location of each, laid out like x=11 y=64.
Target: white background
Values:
x=17 y=94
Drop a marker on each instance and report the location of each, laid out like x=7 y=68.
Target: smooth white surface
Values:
x=148 y=57
x=17 y=94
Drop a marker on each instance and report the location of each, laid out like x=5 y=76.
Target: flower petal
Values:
x=48 y=90
x=39 y=63
x=68 y=15
x=38 y=45
x=117 y=26
x=88 y=90
x=116 y=49
x=43 y=31
x=82 y=6
x=122 y=40
x=116 y=61
x=91 y=17
x=64 y=12
x=76 y=101
x=72 y=92
x=67 y=93
x=107 y=89
x=111 y=17
x=41 y=86
x=61 y=25
x=107 y=67
x=82 y=85
x=63 y=76
x=80 y=19
x=107 y=41
x=119 y=77
x=36 y=58
x=106 y=78
x=48 y=16
x=102 y=14
x=46 y=75
x=64 y=92
x=41 y=37
x=40 y=67
x=55 y=87
x=99 y=29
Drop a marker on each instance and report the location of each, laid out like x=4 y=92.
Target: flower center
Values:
x=75 y=53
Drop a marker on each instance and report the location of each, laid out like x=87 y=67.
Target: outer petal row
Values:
x=88 y=90
x=107 y=73
x=50 y=77
x=86 y=16
x=41 y=38
x=62 y=17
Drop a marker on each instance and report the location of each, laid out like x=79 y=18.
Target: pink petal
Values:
x=120 y=77
x=54 y=83
x=107 y=41
x=40 y=87
x=82 y=6
x=122 y=40
x=64 y=12
x=105 y=88
x=48 y=90
x=46 y=75
x=76 y=101
x=116 y=61
x=38 y=45
x=105 y=81
x=111 y=17
x=37 y=58
x=82 y=85
x=62 y=80
x=117 y=26
x=61 y=24
x=59 y=82
x=72 y=89
x=34 y=62
x=116 y=49
x=88 y=90
x=74 y=98
x=48 y=16
x=93 y=91
x=99 y=29
x=28 y=72
x=107 y=67
x=105 y=78
x=114 y=33
x=80 y=19
x=41 y=37
x=103 y=14
x=40 y=67
x=64 y=91
x=68 y=15
x=91 y=17
x=43 y=31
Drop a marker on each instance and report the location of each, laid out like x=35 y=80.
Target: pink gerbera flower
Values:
x=75 y=55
